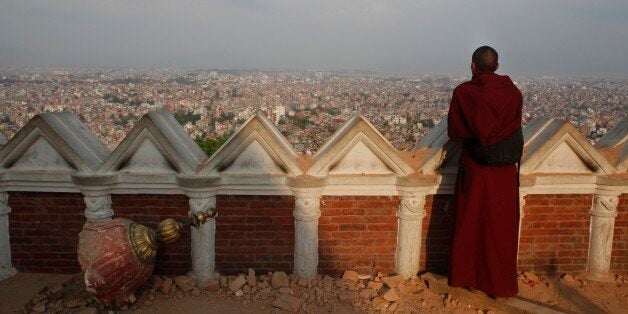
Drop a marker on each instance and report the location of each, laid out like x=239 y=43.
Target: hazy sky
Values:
x=563 y=37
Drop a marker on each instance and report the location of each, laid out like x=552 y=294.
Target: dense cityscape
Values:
x=307 y=107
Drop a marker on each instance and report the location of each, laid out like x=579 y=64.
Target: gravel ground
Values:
x=275 y=293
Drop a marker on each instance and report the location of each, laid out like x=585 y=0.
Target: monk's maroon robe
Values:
x=484 y=245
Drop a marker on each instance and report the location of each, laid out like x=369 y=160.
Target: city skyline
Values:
x=307 y=107
x=558 y=38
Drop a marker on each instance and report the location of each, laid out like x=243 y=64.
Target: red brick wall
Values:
x=255 y=232
x=437 y=231
x=149 y=209
x=619 y=259
x=43 y=230
x=357 y=232
x=555 y=233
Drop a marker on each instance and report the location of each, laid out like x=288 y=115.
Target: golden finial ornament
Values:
x=145 y=241
x=169 y=231
x=142 y=240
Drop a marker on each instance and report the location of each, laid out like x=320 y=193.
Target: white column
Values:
x=410 y=214
x=203 y=242
x=306 y=214
x=97 y=207
x=603 y=213
x=6 y=268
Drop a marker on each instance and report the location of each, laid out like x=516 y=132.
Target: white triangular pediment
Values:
x=358 y=148
x=360 y=160
x=156 y=144
x=41 y=155
x=556 y=146
x=253 y=160
x=563 y=159
x=147 y=159
x=257 y=147
x=53 y=142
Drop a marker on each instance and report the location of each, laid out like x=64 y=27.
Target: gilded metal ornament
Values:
x=145 y=241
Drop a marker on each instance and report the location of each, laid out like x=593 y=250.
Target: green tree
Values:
x=210 y=145
x=427 y=123
x=185 y=117
x=225 y=117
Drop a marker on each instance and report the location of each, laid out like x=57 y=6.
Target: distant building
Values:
x=279 y=112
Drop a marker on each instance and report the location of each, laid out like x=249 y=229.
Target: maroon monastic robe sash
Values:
x=486 y=201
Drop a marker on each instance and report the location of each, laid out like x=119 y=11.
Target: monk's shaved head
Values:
x=485 y=59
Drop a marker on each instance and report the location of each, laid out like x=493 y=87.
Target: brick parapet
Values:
x=255 y=232
x=554 y=234
x=357 y=232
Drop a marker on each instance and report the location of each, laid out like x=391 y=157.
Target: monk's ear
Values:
x=497 y=66
x=474 y=67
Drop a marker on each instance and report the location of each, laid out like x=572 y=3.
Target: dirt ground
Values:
x=575 y=293
x=568 y=294
x=15 y=292
x=215 y=304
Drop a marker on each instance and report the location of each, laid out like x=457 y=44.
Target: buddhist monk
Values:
x=487 y=110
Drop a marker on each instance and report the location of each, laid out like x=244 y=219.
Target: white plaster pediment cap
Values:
x=65 y=133
x=178 y=138
x=355 y=131
x=545 y=136
x=260 y=132
x=616 y=140
x=158 y=130
x=436 y=137
x=441 y=152
x=617 y=136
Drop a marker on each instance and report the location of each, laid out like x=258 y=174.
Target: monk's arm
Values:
x=456 y=129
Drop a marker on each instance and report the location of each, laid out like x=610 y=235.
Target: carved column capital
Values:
x=98 y=207
x=412 y=207
x=4 y=203
x=198 y=204
x=307 y=208
x=604 y=206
